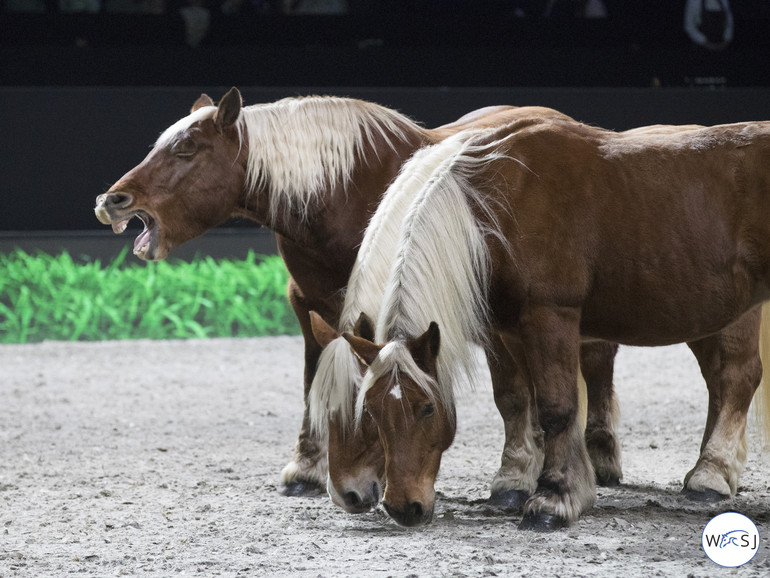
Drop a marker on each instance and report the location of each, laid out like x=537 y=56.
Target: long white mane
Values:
x=338 y=375
x=299 y=146
x=440 y=274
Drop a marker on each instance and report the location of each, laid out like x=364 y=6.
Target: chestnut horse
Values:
x=561 y=234
x=313 y=170
x=356 y=460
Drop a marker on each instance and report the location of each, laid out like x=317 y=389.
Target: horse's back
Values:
x=630 y=223
x=503 y=117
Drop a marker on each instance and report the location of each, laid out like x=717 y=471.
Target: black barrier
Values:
x=63 y=146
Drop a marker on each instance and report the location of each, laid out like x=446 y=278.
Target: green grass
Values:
x=58 y=298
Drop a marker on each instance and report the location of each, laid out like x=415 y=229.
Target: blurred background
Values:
x=87 y=85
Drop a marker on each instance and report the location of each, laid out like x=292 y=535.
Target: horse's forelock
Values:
x=395 y=360
x=182 y=124
x=337 y=379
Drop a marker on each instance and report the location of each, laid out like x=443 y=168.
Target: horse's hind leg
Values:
x=730 y=364
x=305 y=474
x=597 y=362
x=522 y=457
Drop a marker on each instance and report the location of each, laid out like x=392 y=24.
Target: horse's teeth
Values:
x=118 y=228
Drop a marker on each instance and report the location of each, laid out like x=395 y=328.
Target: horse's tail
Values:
x=582 y=400
x=762 y=395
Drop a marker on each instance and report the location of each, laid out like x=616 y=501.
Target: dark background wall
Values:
x=83 y=96
x=63 y=146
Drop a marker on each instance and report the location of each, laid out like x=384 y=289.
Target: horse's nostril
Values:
x=375 y=492
x=117 y=200
x=416 y=510
x=352 y=499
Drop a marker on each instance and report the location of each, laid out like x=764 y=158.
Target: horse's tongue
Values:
x=119 y=227
x=142 y=239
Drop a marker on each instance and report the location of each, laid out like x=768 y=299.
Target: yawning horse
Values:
x=545 y=236
x=312 y=169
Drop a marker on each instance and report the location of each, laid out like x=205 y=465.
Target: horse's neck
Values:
x=301 y=150
x=336 y=213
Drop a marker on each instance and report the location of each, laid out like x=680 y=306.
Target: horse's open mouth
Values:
x=146 y=243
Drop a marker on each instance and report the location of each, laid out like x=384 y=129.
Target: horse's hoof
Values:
x=508 y=499
x=301 y=489
x=542 y=522
x=705 y=496
x=609 y=481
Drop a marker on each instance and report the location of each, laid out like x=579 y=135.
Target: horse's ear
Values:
x=364 y=327
x=228 y=110
x=364 y=349
x=424 y=349
x=323 y=332
x=203 y=100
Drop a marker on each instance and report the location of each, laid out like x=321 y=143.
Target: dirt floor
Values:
x=162 y=458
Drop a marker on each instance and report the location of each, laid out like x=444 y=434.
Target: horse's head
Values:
x=356 y=465
x=415 y=426
x=355 y=455
x=191 y=181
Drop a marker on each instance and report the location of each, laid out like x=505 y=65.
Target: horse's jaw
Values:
x=147 y=245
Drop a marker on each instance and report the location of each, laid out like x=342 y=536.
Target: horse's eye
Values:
x=428 y=410
x=184 y=148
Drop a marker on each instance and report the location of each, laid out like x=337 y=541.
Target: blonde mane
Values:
x=440 y=274
x=338 y=376
x=298 y=147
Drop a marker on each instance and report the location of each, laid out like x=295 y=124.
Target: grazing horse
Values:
x=545 y=236
x=312 y=169
x=355 y=458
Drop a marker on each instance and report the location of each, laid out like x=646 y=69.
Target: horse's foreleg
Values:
x=730 y=364
x=522 y=457
x=548 y=341
x=305 y=474
x=597 y=362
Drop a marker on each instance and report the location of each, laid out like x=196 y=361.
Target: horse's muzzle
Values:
x=108 y=204
x=413 y=514
x=357 y=503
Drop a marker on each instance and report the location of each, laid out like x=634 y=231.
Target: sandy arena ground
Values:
x=162 y=459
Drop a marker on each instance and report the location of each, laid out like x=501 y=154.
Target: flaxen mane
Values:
x=300 y=146
x=440 y=274
x=338 y=375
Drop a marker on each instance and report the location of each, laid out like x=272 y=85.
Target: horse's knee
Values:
x=557 y=415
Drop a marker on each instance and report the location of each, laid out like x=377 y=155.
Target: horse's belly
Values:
x=655 y=318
